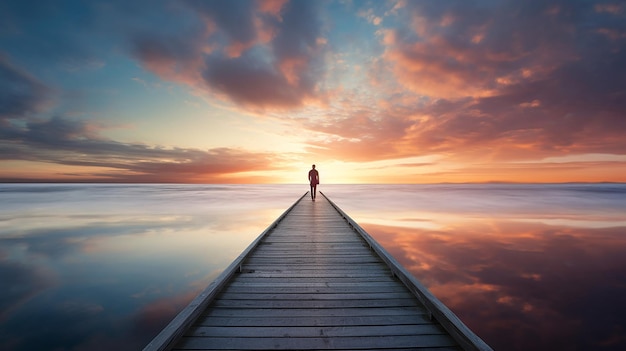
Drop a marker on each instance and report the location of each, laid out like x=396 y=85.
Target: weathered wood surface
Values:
x=312 y=282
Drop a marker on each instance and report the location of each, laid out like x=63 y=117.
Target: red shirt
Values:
x=314 y=177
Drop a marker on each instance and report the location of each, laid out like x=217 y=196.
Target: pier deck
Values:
x=314 y=280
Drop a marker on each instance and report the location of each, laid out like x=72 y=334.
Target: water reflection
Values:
x=522 y=286
x=523 y=278
x=101 y=267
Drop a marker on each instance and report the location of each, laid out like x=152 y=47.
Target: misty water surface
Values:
x=98 y=267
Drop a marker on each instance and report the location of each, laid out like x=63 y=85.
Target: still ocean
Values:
x=106 y=266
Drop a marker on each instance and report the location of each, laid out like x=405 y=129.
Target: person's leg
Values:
x=314 y=191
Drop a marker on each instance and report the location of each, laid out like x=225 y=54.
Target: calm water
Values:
x=101 y=267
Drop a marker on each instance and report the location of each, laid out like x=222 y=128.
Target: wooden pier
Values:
x=315 y=280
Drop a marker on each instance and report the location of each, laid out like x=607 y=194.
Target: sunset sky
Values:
x=257 y=91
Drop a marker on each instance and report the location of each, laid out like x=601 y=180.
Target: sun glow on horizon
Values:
x=173 y=95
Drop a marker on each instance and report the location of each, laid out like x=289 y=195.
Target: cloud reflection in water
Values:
x=100 y=267
x=547 y=278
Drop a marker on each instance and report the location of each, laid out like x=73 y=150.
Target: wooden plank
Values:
x=317 y=312
x=457 y=329
x=345 y=260
x=314 y=275
x=351 y=262
x=305 y=284
x=311 y=248
x=286 y=304
x=314 y=281
x=304 y=280
x=313 y=271
x=175 y=329
x=318 y=343
x=318 y=266
x=319 y=289
x=316 y=331
x=303 y=321
x=316 y=296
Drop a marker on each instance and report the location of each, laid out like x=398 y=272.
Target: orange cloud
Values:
x=77 y=149
x=421 y=68
x=272 y=7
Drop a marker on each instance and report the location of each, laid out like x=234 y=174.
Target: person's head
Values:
x=313 y=166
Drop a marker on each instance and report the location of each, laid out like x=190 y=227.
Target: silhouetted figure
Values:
x=314 y=179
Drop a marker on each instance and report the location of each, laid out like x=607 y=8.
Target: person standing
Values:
x=314 y=179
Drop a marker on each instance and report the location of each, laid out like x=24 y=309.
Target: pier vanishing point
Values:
x=315 y=280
